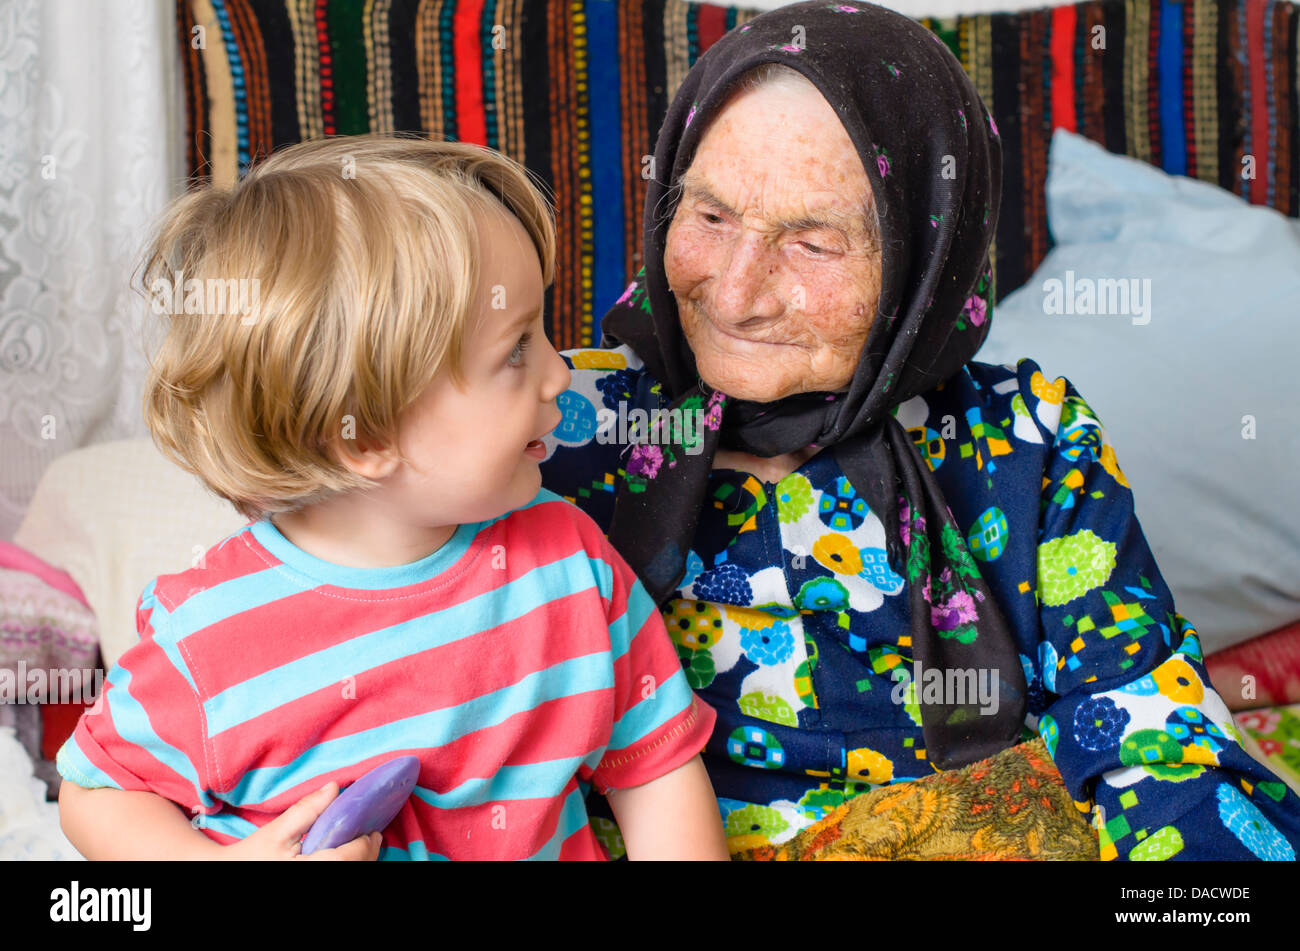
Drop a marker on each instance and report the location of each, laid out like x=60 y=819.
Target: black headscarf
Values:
x=934 y=162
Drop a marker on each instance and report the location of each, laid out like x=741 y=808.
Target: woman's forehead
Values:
x=780 y=153
x=790 y=128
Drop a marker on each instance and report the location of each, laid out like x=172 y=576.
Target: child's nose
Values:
x=558 y=376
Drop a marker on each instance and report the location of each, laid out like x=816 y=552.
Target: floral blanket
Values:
x=1272 y=736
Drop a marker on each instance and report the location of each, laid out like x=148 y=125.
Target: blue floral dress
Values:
x=791 y=623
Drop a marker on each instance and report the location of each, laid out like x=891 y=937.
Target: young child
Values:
x=376 y=406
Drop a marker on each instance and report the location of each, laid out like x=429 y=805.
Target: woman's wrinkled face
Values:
x=768 y=252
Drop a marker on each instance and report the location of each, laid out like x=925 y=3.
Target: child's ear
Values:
x=365 y=457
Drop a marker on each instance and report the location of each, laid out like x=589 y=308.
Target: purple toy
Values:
x=367 y=806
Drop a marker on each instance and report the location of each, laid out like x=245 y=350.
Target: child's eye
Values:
x=517 y=354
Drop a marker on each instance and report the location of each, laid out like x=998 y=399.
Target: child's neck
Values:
x=354 y=533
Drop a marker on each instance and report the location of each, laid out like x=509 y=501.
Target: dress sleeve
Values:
x=146 y=730
x=1140 y=737
x=659 y=722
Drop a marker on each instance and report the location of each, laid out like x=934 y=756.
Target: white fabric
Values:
x=91 y=148
x=115 y=516
x=29 y=826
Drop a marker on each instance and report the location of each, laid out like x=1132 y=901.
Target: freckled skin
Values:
x=771 y=312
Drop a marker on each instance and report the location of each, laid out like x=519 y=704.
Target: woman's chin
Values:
x=741 y=388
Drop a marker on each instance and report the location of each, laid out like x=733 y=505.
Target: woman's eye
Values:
x=710 y=218
x=517 y=354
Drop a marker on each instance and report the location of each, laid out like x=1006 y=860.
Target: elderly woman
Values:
x=877 y=557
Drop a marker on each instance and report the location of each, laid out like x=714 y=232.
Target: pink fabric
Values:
x=1272 y=659
x=16 y=558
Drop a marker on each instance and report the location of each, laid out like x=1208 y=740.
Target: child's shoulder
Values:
x=232 y=557
x=552 y=534
x=549 y=514
x=553 y=528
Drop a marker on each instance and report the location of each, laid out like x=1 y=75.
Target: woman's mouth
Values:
x=703 y=317
x=741 y=342
x=745 y=340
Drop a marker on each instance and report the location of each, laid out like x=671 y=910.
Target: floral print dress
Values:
x=791 y=623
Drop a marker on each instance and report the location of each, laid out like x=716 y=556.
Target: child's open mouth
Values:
x=536 y=449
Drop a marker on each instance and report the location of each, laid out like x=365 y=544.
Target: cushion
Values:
x=1195 y=388
x=43 y=626
x=116 y=515
x=1263 y=672
x=1272 y=736
x=17 y=558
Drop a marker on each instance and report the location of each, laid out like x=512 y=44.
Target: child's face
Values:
x=471 y=446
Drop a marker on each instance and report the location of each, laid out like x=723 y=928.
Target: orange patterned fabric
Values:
x=1012 y=806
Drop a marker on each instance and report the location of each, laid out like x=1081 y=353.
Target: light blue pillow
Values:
x=1213 y=346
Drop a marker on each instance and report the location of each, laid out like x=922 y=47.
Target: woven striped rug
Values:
x=577 y=89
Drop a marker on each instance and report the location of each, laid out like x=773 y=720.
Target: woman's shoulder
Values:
x=988 y=433
x=994 y=433
x=1053 y=403
x=993 y=401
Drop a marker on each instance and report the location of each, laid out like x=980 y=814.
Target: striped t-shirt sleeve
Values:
x=147 y=722
x=659 y=722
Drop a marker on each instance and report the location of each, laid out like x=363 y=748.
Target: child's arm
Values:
x=106 y=823
x=673 y=817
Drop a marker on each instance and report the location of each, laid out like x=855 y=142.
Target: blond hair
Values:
x=362 y=253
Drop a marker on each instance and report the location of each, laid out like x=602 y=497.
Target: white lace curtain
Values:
x=91 y=149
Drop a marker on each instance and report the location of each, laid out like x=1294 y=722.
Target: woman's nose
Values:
x=745 y=286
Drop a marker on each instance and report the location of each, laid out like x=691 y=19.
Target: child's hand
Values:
x=281 y=837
